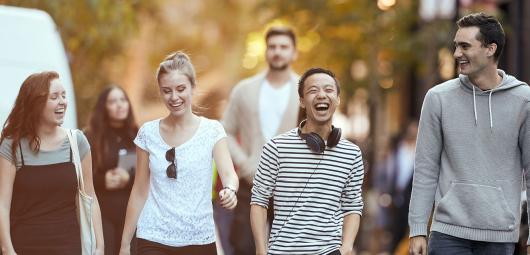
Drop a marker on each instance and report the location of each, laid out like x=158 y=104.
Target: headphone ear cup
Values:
x=315 y=142
x=334 y=137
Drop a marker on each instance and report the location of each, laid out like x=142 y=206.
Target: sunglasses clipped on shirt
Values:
x=171 y=170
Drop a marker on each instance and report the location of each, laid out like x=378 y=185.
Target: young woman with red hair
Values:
x=38 y=181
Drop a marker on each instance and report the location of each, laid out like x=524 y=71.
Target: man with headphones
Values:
x=314 y=177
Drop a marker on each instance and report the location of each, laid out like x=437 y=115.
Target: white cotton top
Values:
x=272 y=104
x=179 y=212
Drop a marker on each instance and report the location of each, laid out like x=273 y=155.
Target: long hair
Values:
x=24 y=118
x=99 y=124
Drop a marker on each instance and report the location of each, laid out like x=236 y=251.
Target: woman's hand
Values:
x=112 y=180
x=123 y=176
x=228 y=198
x=116 y=178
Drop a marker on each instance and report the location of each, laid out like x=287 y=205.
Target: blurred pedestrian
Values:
x=111 y=131
x=314 y=177
x=393 y=183
x=473 y=145
x=171 y=199
x=260 y=108
x=38 y=178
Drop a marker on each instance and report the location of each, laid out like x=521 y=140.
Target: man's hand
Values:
x=125 y=250
x=346 y=250
x=418 y=245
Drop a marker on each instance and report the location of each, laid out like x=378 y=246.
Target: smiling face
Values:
x=471 y=55
x=320 y=98
x=55 y=108
x=176 y=91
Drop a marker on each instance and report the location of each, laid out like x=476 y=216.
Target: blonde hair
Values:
x=177 y=61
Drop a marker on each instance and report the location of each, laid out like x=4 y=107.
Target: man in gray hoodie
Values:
x=472 y=149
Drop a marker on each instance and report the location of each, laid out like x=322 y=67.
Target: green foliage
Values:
x=356 y=30
x=93 y=31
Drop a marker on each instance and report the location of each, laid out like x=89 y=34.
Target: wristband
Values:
x=231 y=189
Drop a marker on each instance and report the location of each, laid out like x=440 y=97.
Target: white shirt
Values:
x=272 y=104
x=178 y=212
x=405 y=156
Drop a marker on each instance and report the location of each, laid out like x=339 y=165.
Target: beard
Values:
x=281 y=67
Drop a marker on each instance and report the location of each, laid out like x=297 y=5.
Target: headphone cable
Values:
x=296 y=202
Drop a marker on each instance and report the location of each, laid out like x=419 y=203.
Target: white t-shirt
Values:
x=272 y=104
x=178 y=212
x=405 y=156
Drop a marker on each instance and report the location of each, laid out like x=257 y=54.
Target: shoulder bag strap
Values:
x=72 y=137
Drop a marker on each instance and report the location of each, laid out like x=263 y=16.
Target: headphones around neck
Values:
x=315 y=142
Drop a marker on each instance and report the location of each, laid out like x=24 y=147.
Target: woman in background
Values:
x=38 y=180
x=111 y=131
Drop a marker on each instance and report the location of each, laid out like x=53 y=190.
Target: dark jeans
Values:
x=336 y=252
x=223 y=220
x=241 y=233
x=442 y=244
x=146 y=247
x=241 y=236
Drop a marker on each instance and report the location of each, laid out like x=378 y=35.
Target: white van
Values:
x=30 y=43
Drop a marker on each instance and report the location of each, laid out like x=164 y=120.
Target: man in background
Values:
x=259 y=108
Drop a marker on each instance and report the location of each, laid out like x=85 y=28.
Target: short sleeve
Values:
x=219 y=131
x=5 y=150
x=140 y=139
x=82 y=144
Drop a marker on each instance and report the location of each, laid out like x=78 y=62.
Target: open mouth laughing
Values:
x=322 y=107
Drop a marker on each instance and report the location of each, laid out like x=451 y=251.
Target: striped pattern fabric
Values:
x=312 y=193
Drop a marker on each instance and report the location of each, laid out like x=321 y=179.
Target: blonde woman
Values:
x=170 y=203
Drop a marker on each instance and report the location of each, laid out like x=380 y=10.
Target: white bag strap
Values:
x=72 y=137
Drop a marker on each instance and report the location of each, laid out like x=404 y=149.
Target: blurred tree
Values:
x=93 y=31
x=350 y=31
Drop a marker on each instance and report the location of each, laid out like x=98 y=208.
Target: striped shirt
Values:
x=312 y=193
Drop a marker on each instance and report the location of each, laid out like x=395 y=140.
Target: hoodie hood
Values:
x=507 y=82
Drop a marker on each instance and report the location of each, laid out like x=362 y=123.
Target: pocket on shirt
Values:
x=478 y=206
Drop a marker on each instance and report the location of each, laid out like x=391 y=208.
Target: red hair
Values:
x=25 y=116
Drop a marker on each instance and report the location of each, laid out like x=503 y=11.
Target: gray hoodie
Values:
x=471 y=150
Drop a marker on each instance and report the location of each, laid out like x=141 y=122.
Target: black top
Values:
x=43 y=211
x=113 y=203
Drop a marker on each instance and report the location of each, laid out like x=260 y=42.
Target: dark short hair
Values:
x=490 y=30
x=315 y=70
x=273 y=31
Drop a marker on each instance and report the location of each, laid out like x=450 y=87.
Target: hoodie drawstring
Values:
x=491 y=115
x=474 y=106
x=489 y=106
